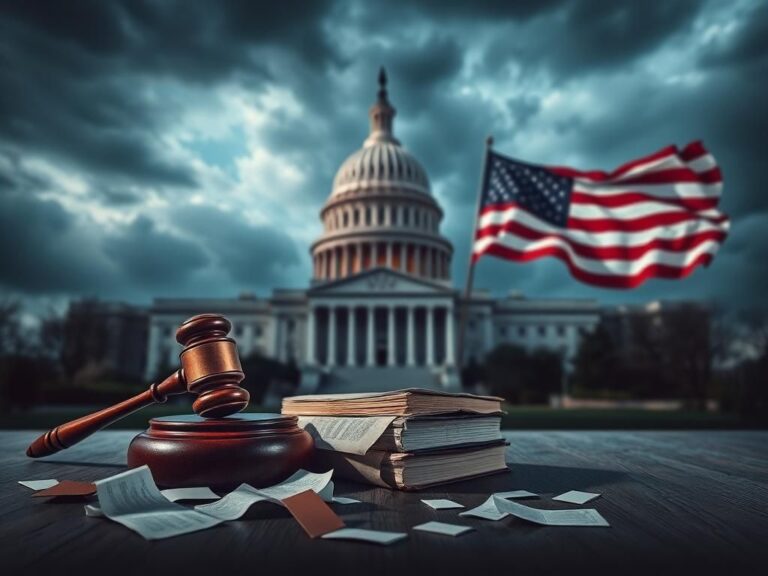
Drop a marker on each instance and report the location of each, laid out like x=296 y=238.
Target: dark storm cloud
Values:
x=748 y=47
x=591 y=35
x=41 y=251
x=72 y=73
x=152 y=258
x=78 y=89
x=253 y=255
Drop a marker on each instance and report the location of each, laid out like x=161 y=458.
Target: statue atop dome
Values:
x=382 y=114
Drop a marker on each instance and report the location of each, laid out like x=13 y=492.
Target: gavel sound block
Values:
x=213 y=448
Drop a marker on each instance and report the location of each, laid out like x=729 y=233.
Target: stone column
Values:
x=411 y=340
x=331 y=336
x=334 y=256
x=389 y=255
x=417 y=260
x=344 y=261
x=351 y=336
x=374 y=254
x=370 y=360
x=391 y=337
x=430 y=336
x=311 y=336
x=450 y=343
x=404 y=257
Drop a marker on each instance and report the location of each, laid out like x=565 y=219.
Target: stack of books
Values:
x=407 y=439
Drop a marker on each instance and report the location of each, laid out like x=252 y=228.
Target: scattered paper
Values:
x=132 y=499
x=93 y=511
x=581 y=517
x=235 y=504
x=576 y=497
x=300 y=481
x=443 y=528
x=487 y=511
x=67 y=488
x=38 y=484
x=516 y=494
x=442 y=504
x=354 y=435
x=312 y=514
x=199 y=493
x=375 y=536
x=344 y=500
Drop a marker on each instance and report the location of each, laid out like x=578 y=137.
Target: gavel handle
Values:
x=73 y=432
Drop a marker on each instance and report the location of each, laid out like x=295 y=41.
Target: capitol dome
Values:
x=381 y=163
x=381 y=213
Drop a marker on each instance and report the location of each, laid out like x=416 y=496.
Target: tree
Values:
x=596 y=365
x=520 y=376
x=261 y=372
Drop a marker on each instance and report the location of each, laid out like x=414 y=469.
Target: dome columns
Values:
x=419 y=259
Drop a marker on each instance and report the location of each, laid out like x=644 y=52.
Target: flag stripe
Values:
x=597 y=219
x=629 y=198
x=684 y=190
x=619 y=250
x=615 y=266
x=600 y=176
x=493 y=223
x=604 y=280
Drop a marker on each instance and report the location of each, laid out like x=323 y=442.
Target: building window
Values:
x=471 y=324
x=381 y=216
x=345 y=219
x=521 y=331
x=542 y=330
x=502 y=331
x=406 y=214
x=368 y=216
x=239 y=329
x=291 y=326
x=257 y=332
x=561 y=331
x=168 y=331
x=356 y=217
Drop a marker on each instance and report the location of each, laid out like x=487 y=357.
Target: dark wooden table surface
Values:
x=675 y=500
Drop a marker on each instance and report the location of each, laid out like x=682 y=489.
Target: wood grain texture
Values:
x=693 y=501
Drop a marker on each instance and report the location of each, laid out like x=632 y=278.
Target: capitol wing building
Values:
x=380 y=312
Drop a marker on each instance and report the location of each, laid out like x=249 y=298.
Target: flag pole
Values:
x=471 y=262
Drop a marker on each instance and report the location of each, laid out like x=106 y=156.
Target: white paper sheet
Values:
x=354 y=435
x=93 y=511
x=580 y=517
x=344 y=500
x=299 y=482
x=197 y=493
x=39 y=484
x=487 y=511
x=132 y=499
x=235 y=504
x=576 y=497
x=442 y=504
x=443 y=528
x=517 y=494
x=375 y=536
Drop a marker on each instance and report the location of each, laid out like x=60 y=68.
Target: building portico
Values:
x=411 y=324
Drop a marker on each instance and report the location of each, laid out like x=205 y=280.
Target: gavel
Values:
x=210 y=368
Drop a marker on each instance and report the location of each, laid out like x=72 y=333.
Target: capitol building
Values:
x=380 y=311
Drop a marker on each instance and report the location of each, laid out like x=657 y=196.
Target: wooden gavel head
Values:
x=211 y=366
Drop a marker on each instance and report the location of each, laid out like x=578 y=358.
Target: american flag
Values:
x=653 y=217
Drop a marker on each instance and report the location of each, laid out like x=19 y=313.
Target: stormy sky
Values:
x=185 y=148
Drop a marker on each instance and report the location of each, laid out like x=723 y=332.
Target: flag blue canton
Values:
x=541 y=192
